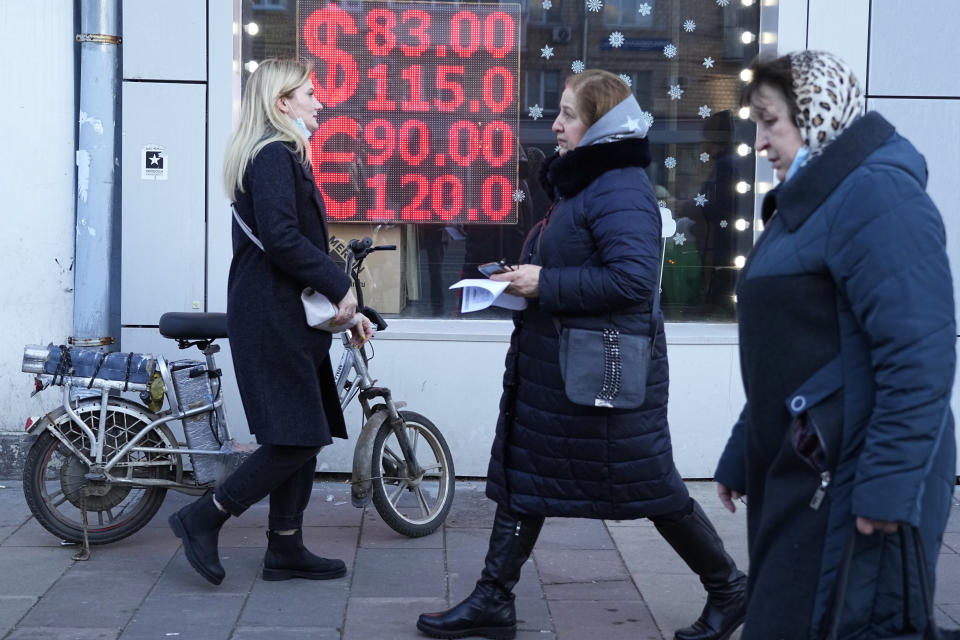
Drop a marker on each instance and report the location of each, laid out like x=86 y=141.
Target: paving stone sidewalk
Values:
x=587 y=579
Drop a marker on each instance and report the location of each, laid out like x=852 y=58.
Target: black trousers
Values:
x=284 y=473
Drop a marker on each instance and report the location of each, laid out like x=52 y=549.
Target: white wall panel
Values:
x=165 y=40
x=163 y=220
x=37 y=197
x=791 y=24
x=842 y=29
x=914 y=48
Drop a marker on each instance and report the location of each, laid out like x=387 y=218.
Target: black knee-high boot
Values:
x=489 y=610
x=695 y=540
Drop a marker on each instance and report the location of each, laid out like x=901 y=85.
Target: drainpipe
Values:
x=98 y=163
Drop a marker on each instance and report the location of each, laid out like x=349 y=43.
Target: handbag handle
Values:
x=844 y=574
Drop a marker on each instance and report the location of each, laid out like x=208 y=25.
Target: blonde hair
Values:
x=597 y=92
x=261 y=122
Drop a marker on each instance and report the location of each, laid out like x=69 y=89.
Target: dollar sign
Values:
x=340 y=80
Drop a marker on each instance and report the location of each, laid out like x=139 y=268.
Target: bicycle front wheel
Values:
x=412 y=504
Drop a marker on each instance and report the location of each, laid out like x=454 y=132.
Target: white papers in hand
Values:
x=480 y=293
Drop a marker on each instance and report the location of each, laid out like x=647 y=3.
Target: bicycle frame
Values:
x=100 y=469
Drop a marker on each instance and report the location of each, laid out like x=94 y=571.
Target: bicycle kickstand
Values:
x=84 y=553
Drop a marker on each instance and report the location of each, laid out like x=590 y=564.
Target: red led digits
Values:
x=506 y=32
x=414 y=212
x=444 y=187
x=414 y=142
x=469 y=20
x=425 y=103
x=418 y=29
x=380 y=38
x=338 y=64
x=497 y=153
x=499 y=80
x=378 y=184
x=381 y=138
x=413 y=75
x=456 y=140
x=501 y=188
x=445 y=82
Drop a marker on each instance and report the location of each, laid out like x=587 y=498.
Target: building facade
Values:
x=183 y=67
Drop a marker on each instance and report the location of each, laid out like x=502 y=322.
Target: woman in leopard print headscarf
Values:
x=847 y=331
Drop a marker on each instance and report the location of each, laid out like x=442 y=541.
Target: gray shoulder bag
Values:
x=606 y=367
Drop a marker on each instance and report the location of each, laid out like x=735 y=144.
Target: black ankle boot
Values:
x=198 y=526
x=489 y=610
x=287 y=558
x=696 y=541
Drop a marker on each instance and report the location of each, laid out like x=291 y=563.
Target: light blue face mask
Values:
x=302 y=126
x=798 y=161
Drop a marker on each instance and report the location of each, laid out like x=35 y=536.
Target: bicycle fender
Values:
x=361 y=483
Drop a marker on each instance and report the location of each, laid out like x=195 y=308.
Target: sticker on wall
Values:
x=153 y=163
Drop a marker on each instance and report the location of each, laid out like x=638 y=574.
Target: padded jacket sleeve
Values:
x=887 y=253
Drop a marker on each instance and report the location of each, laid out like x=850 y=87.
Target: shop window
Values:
x=682 y=59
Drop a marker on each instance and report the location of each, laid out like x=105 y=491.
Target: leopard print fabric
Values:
x=829 y=97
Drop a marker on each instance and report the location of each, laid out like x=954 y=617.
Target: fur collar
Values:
x=569 y=174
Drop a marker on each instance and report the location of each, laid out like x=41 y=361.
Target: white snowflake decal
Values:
x=647 y=117
x=722 y=3
x=723 y=224
x=556 y=149
x=703 y=111
x=519 y=195
x=594 y=5
x=546 y=52
x=670 y=162
x=679 y=239
x=704 y=157
x=708 y=62
x=626 y=79
x=644 y=9
x=675 y=92
x=670 y=51
x=547 y=5
x=535 y=112
x=701 y=200
x=577 y=66
x=689 y=26
x=616 y=39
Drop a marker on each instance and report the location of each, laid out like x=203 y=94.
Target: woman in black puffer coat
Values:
x=592 y=263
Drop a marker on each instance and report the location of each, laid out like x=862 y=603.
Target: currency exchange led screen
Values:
x=420 y=109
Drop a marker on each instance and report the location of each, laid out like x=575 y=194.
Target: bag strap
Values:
x=245 y=227
x=843 y=575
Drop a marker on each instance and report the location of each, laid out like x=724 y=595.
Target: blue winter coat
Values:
x=846 y=321
x=600 y=256
x=282 y=365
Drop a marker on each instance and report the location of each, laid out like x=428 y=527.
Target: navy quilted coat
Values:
x=282 y=365
x=847 y=320
x=600 y=256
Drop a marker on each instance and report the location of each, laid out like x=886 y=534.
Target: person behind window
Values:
x=847 y=337
x=282 y=365
x=592 y=262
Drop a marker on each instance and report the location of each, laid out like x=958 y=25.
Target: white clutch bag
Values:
x=320 y=312
x=317 y=308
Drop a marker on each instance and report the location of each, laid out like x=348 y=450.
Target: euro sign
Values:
x=336 y=68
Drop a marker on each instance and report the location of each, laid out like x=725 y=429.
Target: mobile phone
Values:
x=490 y=268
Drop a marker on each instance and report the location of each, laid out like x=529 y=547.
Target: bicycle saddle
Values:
x=193 y=326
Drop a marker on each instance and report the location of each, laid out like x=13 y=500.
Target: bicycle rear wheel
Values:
x=57 y=489
x=414 y=505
